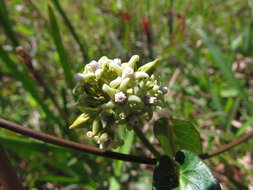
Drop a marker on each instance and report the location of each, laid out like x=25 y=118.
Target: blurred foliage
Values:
x=206 y=53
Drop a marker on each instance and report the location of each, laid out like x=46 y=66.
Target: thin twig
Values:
x=8 y=177
x=73 y=145
x=228 y=146
x=109 y=154
x=145 y=141
x=27 y=61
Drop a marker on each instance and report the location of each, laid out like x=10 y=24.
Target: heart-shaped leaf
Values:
x=194 y=174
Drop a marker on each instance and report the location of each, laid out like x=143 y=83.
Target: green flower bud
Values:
x=82 y=119
x=132 y=61
x=108 y=105
x=90 y=134
x=135 y=99
x=89 y=77
x=124 y=84
x=115 y=68
x=150 y=67
x=96 y=126
x=127 y=72
x=115 y=83
x=141 y=75
x=103 y=138
x=109 y=91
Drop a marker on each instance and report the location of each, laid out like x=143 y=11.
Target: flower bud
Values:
x=150 y=67
x=96 y=126
x=132 y=61
x=127 y=72
x=104 y=137
x=89 y=77
x=82 y=119
x=140 y=75
x=109 y=91
x=115 y=68
x=124 y=84
x=133 y=98
x=90 y=134
x=108 y=105
x=116 y=82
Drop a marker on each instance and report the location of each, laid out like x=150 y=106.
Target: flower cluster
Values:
x=110 y=93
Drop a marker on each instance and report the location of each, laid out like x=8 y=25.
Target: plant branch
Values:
x=8 y=177
x=73 y=145
x=228 y=146
x=27 y=61
x=145 y=141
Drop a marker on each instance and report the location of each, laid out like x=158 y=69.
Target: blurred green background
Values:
x=206 y=52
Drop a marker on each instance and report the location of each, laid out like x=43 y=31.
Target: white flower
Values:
x=120 y=97
x=94 y=66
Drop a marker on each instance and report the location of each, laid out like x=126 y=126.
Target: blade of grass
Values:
x=55 y=32
x=82 y=45
x=7 y=26
x=28 y=84
x=225 y=67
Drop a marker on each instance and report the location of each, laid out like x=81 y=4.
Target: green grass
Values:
x=203 y=41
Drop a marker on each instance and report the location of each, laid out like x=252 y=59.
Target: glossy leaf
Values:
x=194 y=174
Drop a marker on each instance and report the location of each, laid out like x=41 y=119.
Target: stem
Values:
x=145 y=141
x=27 y=61
x=73 y=145
x=8 y=177
x=228 y=146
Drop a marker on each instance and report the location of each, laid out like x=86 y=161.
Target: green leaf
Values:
x=194 y=174
x=177 y=135
x=186 y=136
x=55 y=32
x=164 y=135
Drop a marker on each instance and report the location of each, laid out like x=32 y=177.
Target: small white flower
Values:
x=94 y=66
x=120 y=97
